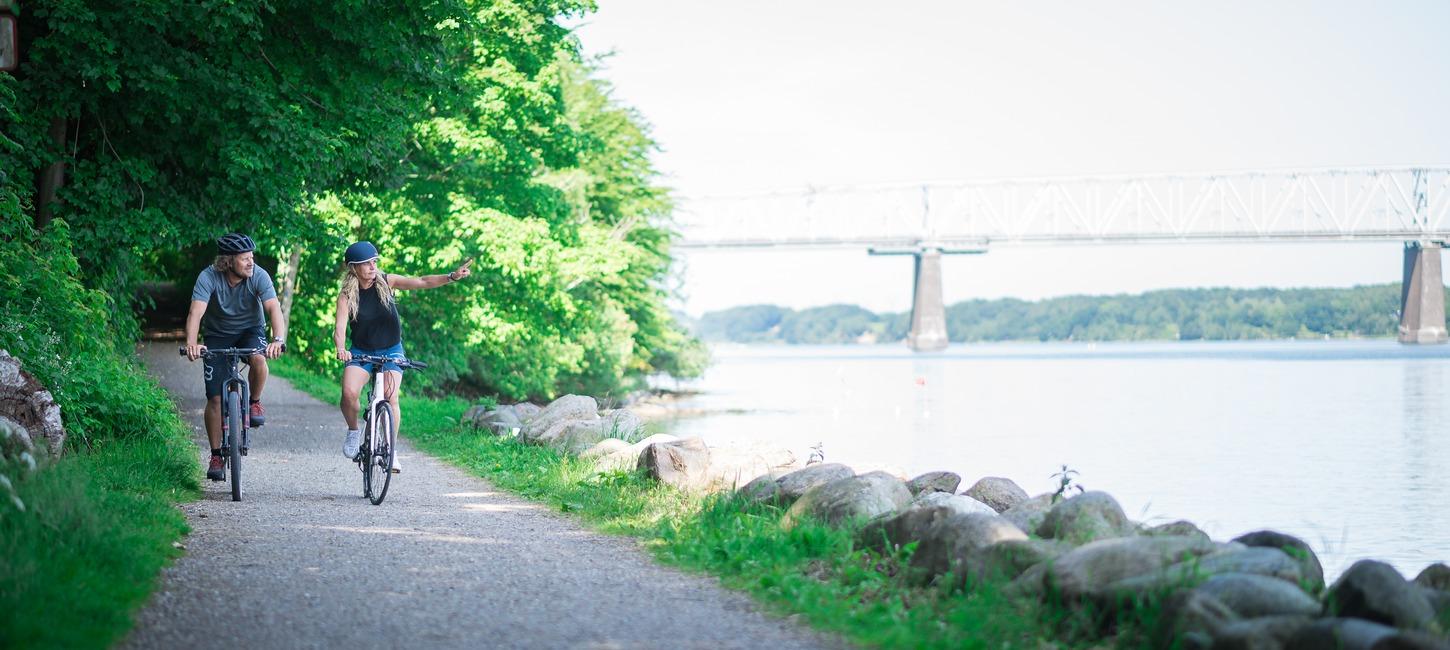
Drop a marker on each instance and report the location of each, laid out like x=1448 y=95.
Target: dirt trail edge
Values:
x=447 y=561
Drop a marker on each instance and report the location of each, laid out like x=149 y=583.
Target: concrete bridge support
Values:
x=1422 y=295
x=929 y=313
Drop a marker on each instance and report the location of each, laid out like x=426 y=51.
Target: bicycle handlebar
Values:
x=397 y=361
x=234 y=352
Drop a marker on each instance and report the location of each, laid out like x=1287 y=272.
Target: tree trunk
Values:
x=53 y=177
x=26 y=406
x=289 y=283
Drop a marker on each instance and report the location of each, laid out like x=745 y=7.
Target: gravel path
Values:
x=449 y=560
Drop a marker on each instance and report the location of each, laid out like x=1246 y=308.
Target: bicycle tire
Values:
x=234 y=441
x=364 y=457
x=381 y=458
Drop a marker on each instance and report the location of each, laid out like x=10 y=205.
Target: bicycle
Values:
x=378 y=450
x=235 y=425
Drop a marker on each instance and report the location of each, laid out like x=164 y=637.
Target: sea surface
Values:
x=1345 y=444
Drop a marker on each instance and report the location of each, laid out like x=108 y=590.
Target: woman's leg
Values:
x=353 y=379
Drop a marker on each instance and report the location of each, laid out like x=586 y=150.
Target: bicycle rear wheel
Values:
x=234 y=442
x=380 y=460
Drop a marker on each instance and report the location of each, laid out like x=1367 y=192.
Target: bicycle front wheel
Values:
x=234 y=442
x=380 y=460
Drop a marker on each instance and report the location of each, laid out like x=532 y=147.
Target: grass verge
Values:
x=814 y=572
x=96 y=530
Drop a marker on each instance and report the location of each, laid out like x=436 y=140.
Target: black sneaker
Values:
x=216 y=471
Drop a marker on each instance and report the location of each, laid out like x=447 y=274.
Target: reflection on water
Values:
x=1336 y=442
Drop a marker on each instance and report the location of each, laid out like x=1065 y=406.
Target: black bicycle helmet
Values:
x=235 y=243
x=360 y=252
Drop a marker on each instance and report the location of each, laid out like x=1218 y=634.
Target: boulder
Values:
x=850 y=498
x=578 y=436
x=1084 y=518
x=605 y=447
x=956 y=502
x=683 y=464
x=29 y=408
x=473 y=413
x=934 y=482
x=638 y=447
x=550 y=422
x=1011 y=558
x=621 y=423
x=526 y=411
x=956 y=543
x=1339 y=634
x=889 y=532
x=762 y=489
x=1263 y=561
x=500 y=422
x=1409 y=640
x=1189 y=619
x=1375 y=591
x=627 y=458
x=1435 y=576
x=1000 y=493
x=737 y=464
x=1253 y=596
x=1027 y=515
x=793 y=485
x=1180 y=528
x=1296 y=548
x=1265 y=633
x=1090 y=569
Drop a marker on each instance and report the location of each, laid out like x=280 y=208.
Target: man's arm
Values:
x=193 y=325
x=279 y=328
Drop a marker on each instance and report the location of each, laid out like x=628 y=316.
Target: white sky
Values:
x=751 y=95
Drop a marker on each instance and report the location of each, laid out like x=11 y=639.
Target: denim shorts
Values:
x=396 y=352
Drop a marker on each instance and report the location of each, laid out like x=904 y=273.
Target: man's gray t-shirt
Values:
x=232 y=310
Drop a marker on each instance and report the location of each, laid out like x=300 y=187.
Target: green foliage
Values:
x=86 y=552
x=1177 y=314
x=440 y=131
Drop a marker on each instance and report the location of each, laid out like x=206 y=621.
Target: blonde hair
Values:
x=350 y=290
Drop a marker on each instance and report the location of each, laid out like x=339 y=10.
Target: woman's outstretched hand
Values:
x=462 y=271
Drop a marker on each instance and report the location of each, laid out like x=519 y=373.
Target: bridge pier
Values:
x=1422 y=295
x=928 y=310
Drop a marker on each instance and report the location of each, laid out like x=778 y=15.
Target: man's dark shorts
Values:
x=214 y=369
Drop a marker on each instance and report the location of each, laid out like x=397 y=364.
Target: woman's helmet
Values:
x=361 y=252
x=235 y=243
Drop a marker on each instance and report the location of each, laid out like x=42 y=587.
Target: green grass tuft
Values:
x=87 y=550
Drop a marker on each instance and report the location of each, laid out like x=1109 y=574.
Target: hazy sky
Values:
x=753 y=95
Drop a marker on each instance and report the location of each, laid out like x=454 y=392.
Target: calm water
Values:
x=1344 y=444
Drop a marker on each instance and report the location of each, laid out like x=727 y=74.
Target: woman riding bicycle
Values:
x=365 y=300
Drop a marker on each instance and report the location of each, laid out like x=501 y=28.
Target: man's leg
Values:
x=213 y=418
x=256 y=378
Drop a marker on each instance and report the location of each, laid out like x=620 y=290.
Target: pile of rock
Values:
x=617 y=439
x=1263 y=590
x=1260 y=590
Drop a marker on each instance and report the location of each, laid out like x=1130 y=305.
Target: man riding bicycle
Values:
x=232 y=293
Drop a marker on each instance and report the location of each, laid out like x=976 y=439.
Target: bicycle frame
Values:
x=234 y=383
x=378 y=448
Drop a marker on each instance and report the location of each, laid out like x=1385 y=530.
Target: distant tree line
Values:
x=1175 y=314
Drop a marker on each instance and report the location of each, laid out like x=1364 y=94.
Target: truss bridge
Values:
x=928 y=220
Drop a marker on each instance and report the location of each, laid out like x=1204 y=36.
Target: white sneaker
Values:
x=350 y=445
x=397 y=465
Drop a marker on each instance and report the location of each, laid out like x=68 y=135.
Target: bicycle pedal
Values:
x=244 y=451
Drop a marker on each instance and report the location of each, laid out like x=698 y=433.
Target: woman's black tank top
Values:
x=376 y=327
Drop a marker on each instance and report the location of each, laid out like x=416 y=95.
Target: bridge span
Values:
x=928 y=220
